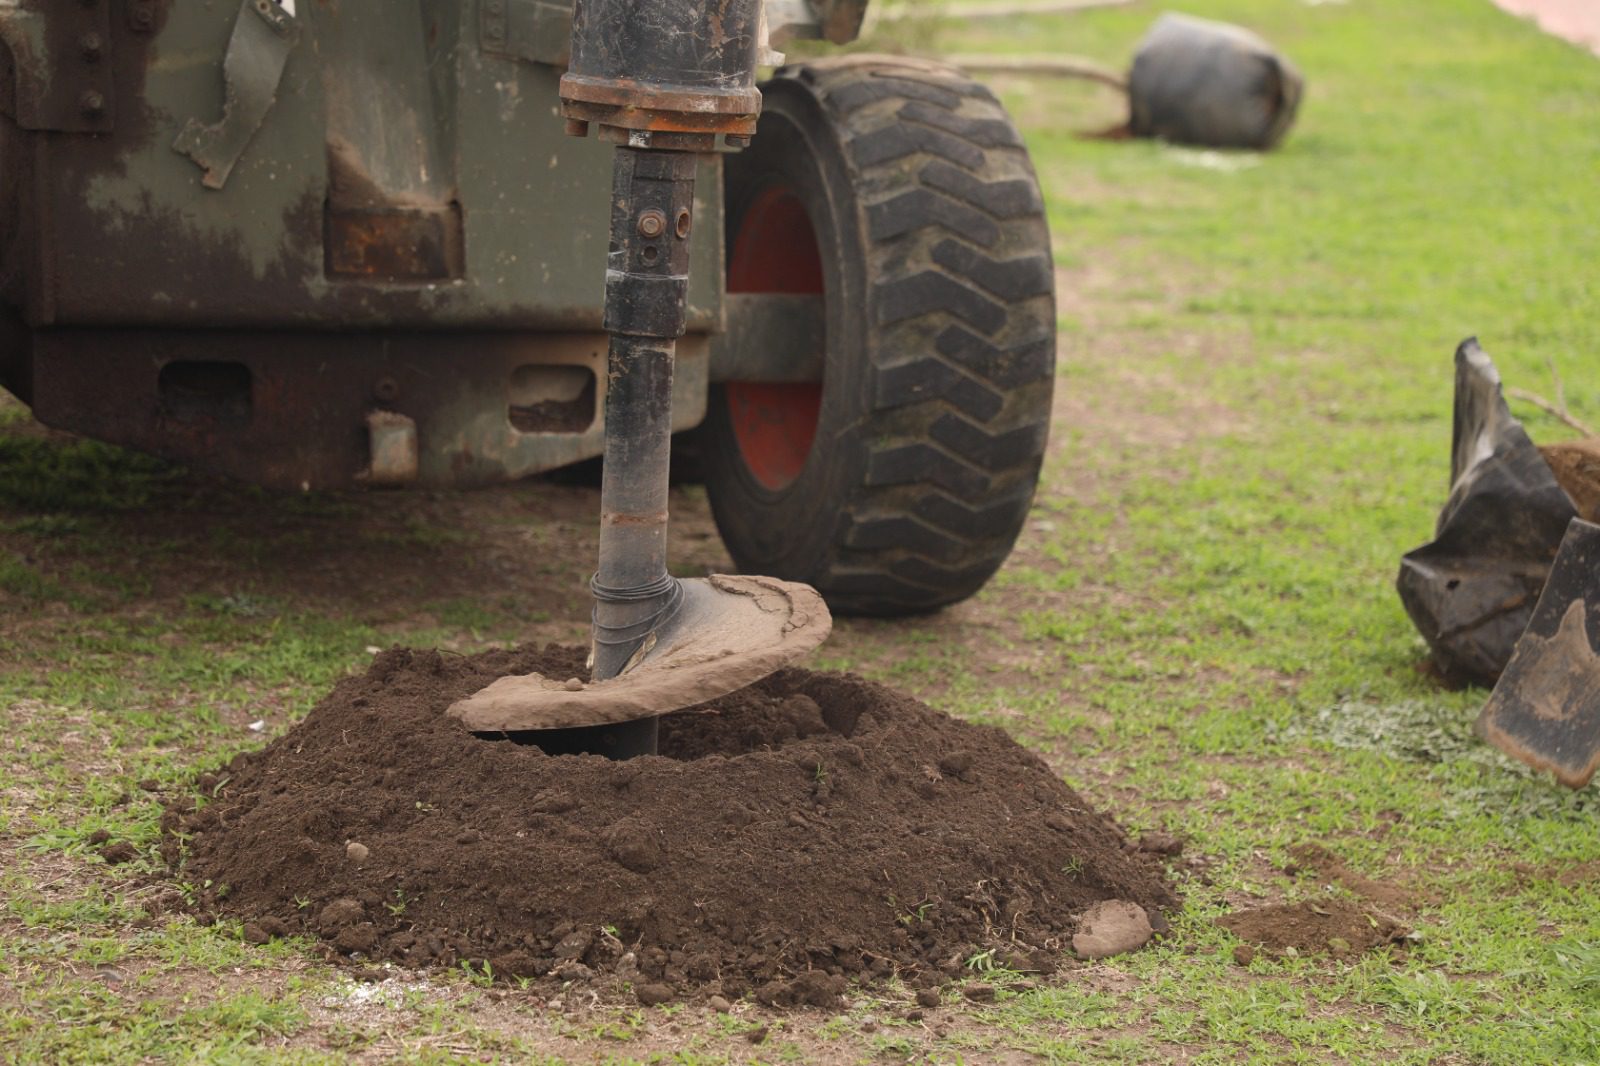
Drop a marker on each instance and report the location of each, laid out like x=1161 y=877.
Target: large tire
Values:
x=901 y=191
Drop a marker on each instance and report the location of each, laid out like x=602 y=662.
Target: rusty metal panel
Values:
x=62 y=64
x=395 y=245
x=127 y=231
x=132 y=238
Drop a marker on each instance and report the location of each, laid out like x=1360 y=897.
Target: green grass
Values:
x=1200 y=629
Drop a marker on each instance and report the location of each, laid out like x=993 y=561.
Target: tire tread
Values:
x=961 y=303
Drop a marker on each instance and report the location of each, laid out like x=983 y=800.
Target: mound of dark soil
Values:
x=810 y=828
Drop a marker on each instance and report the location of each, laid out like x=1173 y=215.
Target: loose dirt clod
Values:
x=809 y=829
x=1160 y=843
x=1333 y=926
x=116 y=854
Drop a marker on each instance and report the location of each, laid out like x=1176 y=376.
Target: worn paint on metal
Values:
x=61 y=65
x=263 y=36
x=407 y=228
x=136 y=240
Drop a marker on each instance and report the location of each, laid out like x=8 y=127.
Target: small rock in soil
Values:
x=928 y=997
x=719 y=1004
x=1112 y=927
x=356 y=852
x=979 y=993
x=254 y=934
x=1244 y=954
x=652 y=995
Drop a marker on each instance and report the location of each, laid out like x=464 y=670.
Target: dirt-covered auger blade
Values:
x=728 y=632
x=1545 y=710
x=662 y=90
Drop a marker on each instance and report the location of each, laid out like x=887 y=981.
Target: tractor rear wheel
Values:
x=901 y=192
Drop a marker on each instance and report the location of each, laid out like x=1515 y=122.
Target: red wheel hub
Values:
x=774 y=424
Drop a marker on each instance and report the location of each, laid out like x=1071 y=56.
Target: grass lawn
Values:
x=1198 y=629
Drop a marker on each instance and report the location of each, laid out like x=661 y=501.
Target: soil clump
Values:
x=810 y=829
x=1334 y=926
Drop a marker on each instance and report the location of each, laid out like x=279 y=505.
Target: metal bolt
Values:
x=652 y=223
x=91 y=47
x=92 y=104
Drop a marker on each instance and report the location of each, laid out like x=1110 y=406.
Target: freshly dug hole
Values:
x=810 y=828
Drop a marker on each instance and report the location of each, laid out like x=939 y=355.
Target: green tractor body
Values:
x=330 y=243
x=346 y=245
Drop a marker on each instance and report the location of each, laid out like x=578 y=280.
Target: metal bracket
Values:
x=61 y=55
x=538 y=31
x=263 y=36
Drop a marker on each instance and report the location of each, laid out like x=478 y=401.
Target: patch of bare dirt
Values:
x=1331 y=869
x=1334 y=927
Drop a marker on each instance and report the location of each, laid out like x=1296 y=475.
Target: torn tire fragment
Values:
x=1471 y=591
